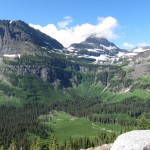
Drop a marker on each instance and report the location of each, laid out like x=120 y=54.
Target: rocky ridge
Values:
x=17 y=37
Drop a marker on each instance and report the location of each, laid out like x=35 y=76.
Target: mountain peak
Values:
x=98 y=49
x=93 y=42
x=99 y=41
x=18 y=37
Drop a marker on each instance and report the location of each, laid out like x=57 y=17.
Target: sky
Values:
x=124 y=22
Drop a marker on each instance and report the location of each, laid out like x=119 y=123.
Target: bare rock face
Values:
x=134 y=140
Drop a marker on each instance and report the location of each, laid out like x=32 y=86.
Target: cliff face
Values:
x=17 y=37
x=55 y=71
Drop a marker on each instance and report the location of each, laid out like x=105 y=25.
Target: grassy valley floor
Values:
x=65 y=126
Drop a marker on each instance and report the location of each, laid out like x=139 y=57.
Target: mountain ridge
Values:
x=17 y=37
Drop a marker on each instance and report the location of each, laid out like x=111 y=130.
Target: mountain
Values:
x=17 y=37
x=98 y=49
x=95 y=43
x=135 y=51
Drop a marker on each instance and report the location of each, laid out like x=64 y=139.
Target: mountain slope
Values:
x=62 y=74
x=98 y=49
x=17 y=37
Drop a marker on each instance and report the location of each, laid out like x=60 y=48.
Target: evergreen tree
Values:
x=12 y=145
x=68 y=146
x=144 y=124
x=36 y=145
x=54 y=145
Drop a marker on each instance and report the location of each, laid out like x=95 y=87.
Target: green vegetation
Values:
x=128 y=69
x=16 y=122
x=65 y=126
x=140 y=94
x=142 y=83
x=59 y=103
x=28 y=88
x=9 y=101
x=144 y=123
x=88 y=88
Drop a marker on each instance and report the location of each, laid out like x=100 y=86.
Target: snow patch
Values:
x=131 y=54
x=95 y=50
x=109 y=47
x=12 y=55
x=44 y=47
x=139 y=50
x=120 y=54
x=71 y=49
x=100 y=58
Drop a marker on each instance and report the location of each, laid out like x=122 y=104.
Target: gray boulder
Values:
x=133 y=140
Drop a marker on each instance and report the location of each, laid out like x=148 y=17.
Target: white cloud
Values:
x=128 y=45
x=144 y=44
x=131 y=46
x=65 y=23
x=68 y=35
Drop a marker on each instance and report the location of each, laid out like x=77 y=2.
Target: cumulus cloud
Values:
x=128 y=45
x=63 y=24
x=66 y=35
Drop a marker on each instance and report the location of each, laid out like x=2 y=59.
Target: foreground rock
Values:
x=102 y=147
x=134 y=140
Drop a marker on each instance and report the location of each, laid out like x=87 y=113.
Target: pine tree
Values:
x=144 y=124
x=112 y=137
x=53 y=144
x=68 y=146
x=36 y=145
x=12 y=145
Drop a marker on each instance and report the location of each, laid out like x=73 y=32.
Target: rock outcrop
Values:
x=134 y=140
x=102 y=147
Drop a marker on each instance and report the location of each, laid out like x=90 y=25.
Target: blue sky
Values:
x=131 y=27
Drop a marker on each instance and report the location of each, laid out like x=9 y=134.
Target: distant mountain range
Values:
x=18 y=38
